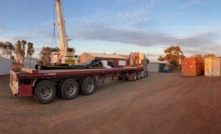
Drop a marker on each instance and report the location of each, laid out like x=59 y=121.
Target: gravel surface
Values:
x=162 y=103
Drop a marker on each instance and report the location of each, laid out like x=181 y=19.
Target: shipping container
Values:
x=212 y=67
x=30 y=63
x=156 y=67
x=192 y=66
x=5 y=66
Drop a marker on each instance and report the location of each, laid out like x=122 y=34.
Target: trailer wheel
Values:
x=145 y=74
x=80 y=83
x=138 y=76
x=88 y=86
x=69 y=89
x=135 y=77
x=59 y=87
x=45 y=92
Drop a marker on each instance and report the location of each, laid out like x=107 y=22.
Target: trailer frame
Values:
x=24 y=83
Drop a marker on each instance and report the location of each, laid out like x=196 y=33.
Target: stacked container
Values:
x=212 y=67
x=192 y=66
x=30 y=63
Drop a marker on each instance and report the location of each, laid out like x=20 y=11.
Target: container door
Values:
x=184 y=67
x=192 y=66
x=208 y=66
x=216 y=67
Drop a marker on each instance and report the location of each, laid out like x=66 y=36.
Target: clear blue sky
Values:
x=117 y=26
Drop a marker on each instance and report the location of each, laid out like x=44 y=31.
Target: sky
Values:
x=117 y=26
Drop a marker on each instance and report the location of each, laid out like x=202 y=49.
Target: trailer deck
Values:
x=30 y=73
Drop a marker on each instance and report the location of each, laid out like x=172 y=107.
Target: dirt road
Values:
x=160 y=104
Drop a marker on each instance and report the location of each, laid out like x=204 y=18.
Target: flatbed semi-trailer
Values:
x=44 y=84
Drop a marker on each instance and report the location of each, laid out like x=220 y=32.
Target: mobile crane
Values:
x=66 y=54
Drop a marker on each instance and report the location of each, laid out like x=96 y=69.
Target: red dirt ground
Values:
x=163 y=103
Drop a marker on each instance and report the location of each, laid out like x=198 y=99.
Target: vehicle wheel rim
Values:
x=46 y=92
x=71 y=90
x=135 y=77
x=90 y=86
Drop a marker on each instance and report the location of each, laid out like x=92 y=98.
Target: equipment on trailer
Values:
x=66 y=54
x=101 y=64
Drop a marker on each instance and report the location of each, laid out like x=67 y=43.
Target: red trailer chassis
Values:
x=66 y=82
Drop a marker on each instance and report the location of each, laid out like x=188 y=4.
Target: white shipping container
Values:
x=30 y=63
x=212 y=67
x=5 y=66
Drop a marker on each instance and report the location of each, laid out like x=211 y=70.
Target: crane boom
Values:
x=62 y=29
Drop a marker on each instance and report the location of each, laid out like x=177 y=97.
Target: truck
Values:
x=45 y=84
x=67 y=80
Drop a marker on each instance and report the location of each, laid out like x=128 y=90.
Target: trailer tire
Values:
x=69 y=89
x=135 y=77
x=88 y=86
x=59 y=87
x=45 y=92
x=138 y=76
x=80 y=83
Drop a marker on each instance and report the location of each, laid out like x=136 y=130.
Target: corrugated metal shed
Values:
x=155 y=67
x=104 y=55
x=5 y=66
x=87 y=57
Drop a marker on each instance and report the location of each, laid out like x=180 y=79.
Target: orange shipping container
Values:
x=192 y=66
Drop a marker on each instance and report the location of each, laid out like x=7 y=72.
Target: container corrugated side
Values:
x=212 y=67
x=30 y=63
x=5 y=66
x=192 y=66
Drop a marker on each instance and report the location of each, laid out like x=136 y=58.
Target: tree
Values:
x=23 y=44
x=173 y=54
x=209 y=55
x=45 y=54
x=6 y=49
x=13 y=58
x=20 y=50
x=30 y=50
x=200 y=56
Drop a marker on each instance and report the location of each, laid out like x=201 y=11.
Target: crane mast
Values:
x=62 y=29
